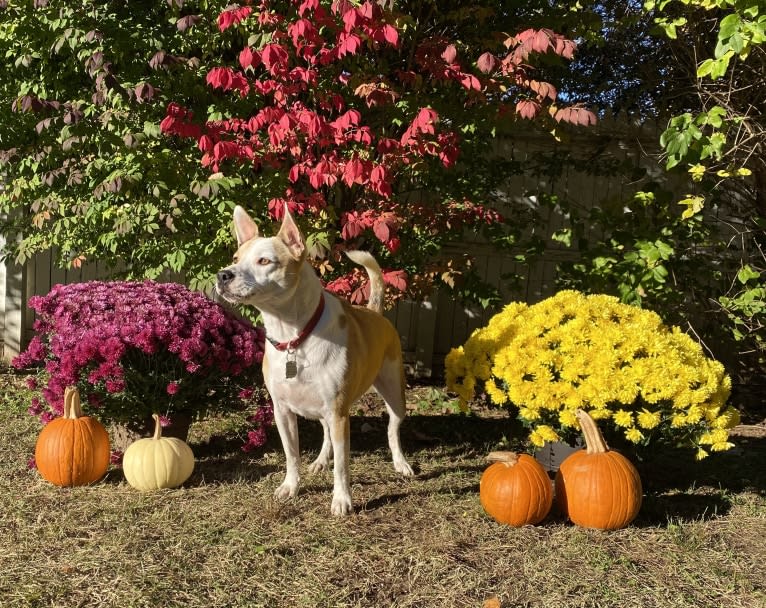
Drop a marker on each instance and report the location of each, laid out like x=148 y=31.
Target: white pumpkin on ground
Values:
x=157 y=462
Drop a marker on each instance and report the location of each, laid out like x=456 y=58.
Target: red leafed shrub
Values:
x=361 y=123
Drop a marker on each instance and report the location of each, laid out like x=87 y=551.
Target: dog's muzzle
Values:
x=224 y=277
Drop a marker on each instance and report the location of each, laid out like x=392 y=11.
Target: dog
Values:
x=321 y=352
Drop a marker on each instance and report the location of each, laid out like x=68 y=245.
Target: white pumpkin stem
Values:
x=157 y=427
x=594 y=440
x=72 y=408
x=509 y=459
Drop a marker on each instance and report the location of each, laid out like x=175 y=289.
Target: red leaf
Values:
x=274 y=57
x=352 y=226
x=576 y=116
x=351 y=18
x=469 y=81
x=249 y=58
x=382 y=231
x=219 y=78
x=527 y=108
x=543 y=89
x=391 y=35
x=565 y=48
x=308 y=5
x=348 y=44
x=425 y=120
x=233 y=16
x=450 y=54
x=354 y=172
x=541 y=41
x=396 y=278
x=487 y=63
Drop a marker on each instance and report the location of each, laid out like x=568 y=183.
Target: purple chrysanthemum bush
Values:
x=137 y=348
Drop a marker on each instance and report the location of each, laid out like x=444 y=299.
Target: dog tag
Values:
x=291 y=367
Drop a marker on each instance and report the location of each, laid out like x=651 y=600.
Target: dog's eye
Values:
x=264 y=261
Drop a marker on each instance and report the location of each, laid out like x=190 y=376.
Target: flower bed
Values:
x=640 y=378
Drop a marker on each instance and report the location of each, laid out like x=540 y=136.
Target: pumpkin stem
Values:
x=594 y=440
x=72 y=409
x=509 y=459
x=157 y=427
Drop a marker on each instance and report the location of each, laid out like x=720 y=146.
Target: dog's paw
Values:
x=319 y=465
x=341 y=505
x=403 y=467
x=285 y=491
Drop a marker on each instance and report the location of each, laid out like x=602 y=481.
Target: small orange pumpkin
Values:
x=72 y=450
x=596 y=487
x=515 y=489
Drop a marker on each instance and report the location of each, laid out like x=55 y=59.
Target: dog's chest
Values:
x=306 y=381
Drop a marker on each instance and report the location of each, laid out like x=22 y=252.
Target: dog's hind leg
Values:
x=390 y=386
x=325 y=454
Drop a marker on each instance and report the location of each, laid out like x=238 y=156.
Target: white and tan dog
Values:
x=322 y=354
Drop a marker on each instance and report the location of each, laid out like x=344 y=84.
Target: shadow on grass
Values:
x=676 y=487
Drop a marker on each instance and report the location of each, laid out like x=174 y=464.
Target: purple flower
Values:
x=135 y=348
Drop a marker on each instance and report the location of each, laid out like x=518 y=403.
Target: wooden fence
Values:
x=429 y=329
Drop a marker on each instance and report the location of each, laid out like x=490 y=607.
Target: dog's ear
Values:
x=291 y=235
x=244 y=226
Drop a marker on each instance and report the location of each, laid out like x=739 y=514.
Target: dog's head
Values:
x=265 y=270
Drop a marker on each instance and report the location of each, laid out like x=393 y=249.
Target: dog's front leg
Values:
x=287 y=425
x=340 y=432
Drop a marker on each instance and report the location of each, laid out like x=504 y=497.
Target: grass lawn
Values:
x=222 y=541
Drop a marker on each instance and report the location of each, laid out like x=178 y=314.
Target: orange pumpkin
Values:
x=515 y=489
x=72 y=450
x=596 y=487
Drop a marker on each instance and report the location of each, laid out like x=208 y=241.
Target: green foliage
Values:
x=745 y=306
x=721 y=140
x=88 y=171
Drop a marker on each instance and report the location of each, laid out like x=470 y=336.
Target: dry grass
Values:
x=222 y=541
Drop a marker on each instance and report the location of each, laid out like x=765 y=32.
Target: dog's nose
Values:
x=225 y=276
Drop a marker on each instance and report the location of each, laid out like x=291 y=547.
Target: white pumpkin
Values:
x=157 y=462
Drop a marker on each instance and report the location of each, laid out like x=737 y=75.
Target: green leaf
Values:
x=563 y=236
x=729 y=25
x=747 y=273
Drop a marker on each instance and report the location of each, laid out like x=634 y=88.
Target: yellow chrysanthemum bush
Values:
x=635 y=375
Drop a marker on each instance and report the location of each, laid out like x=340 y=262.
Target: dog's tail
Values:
x=377 y=286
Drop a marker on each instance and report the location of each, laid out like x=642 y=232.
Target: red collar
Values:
x=296 y=342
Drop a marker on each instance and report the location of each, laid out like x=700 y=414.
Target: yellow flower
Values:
x=536 y=439
x=716 y=436
x=728 y=420
x=543 y=434
x=496 y=394
x=623 y=418
x=694 y=414
x=700 y=454
x=649 y=420
x=547 y=433
x=721 y=446
x=634 y=435
x=529 y=414
x=600 y=414
x=567 y=418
